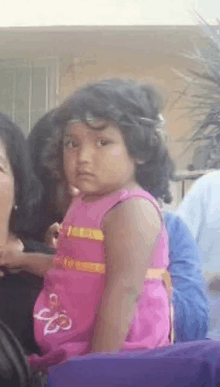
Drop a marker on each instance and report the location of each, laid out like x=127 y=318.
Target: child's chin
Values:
x=87 y=190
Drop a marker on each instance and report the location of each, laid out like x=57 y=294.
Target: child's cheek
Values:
x=116 y=151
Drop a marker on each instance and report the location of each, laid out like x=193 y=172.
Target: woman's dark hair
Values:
x=46 y=212
x=37 y=140
x=27 y=188
x=135 y=110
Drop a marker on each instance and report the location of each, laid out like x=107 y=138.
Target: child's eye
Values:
x=102 y=142
x=70 y=144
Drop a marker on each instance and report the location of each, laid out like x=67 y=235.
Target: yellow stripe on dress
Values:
x=162 y=274
x=69 y=263
x=82 y=232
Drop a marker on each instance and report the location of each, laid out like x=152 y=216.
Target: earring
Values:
x=140 y=162
x=15 y=207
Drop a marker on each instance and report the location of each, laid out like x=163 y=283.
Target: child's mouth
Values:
x=84 y=175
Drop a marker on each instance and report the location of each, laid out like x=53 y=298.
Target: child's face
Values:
x=97 y=162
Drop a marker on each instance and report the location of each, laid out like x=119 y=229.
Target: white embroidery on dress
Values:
x=56 y=318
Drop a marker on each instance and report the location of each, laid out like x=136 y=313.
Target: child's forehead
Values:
x=101 y=127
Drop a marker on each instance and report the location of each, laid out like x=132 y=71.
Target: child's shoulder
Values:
x=138 y=194
x=135 y=211
x=140 y=199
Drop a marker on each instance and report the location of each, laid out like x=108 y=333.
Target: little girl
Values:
x=109 y=289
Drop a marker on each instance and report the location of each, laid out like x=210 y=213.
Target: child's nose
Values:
x=85 y=154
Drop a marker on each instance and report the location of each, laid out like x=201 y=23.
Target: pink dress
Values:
x=65 y=311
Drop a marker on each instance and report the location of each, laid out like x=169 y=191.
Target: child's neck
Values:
x=95 y=197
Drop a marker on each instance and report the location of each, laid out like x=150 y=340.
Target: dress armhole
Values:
x=136 y=197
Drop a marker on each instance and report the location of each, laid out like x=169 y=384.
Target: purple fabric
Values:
x=191 y=364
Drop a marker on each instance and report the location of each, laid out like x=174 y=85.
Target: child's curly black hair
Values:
x=135 y=110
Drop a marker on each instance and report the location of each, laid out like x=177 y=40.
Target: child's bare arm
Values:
x=130 y=233
x=36 y=263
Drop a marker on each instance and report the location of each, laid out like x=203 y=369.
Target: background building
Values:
x=41 y=66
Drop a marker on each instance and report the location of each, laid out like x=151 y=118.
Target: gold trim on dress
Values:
x=69 y=263
x=82 y=232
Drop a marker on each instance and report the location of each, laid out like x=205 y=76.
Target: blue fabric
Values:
x=191 y=319
x=193 y=364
